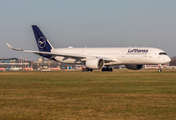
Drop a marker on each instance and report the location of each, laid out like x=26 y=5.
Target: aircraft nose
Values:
x=168 y=59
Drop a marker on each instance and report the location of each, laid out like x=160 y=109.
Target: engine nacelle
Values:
x=95 y=63
x=134 y=67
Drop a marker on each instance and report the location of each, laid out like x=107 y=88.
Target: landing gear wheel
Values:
x=87 y=70
x=107 y=69
x=83 y=69
x=160 y=68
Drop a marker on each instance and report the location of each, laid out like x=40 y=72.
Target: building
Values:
x=9 y=60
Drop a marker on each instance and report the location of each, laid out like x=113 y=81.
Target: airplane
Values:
x=99 y=58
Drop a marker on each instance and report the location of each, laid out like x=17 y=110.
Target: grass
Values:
x=122 y=94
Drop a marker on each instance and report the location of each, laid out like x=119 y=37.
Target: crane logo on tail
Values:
x=41 y=42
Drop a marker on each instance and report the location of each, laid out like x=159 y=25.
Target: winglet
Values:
x=13 y=47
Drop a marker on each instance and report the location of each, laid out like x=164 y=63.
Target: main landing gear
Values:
x=107 y=69
x=87 y=70
x=103 y=69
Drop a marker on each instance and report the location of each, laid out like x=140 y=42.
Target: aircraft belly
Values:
x=64 y=59
x=133 y=59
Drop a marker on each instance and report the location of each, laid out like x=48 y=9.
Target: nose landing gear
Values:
x=160 y=68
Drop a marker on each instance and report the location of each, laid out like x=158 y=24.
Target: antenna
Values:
x=25 y=60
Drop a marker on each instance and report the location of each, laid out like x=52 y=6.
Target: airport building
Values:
x=41 y=64
x=12 y=64
x=8 y=60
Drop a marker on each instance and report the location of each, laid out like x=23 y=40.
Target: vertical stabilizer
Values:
x=42 y=42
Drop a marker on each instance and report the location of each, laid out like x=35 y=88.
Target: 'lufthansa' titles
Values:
x=137 y=51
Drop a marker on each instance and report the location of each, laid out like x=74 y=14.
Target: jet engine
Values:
x=134 y=67
x=95 y=63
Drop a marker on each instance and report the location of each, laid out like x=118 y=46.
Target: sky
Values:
x=90 y=23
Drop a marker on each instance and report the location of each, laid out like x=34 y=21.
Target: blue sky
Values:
x=91 y=23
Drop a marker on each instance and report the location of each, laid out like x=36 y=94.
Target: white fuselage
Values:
x=126 y=55
x=98 y=58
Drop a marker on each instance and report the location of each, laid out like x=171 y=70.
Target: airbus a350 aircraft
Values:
x=99 y=58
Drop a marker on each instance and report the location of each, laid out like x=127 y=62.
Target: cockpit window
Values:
x=162 y=53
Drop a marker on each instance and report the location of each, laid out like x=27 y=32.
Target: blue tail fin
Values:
x=42 y=42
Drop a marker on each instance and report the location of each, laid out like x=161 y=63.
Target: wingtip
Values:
x=9 y=45
x=13 y=48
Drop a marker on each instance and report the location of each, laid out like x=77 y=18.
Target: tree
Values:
x=173 y=61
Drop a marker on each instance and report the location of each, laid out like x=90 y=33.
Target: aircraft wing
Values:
x=73 y=56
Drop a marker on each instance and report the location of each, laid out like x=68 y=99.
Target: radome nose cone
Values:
x=168 y=59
